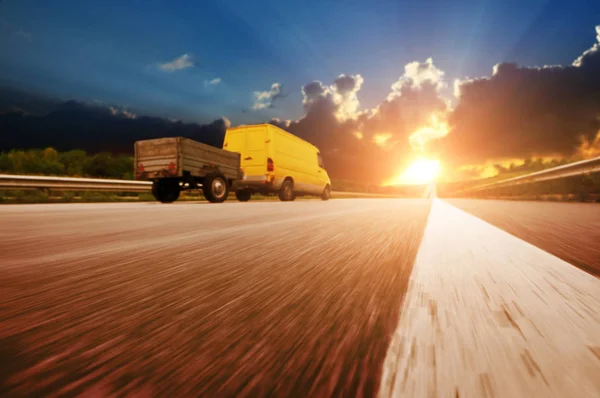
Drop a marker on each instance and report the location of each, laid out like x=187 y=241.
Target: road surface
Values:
x=244 y=299
x=342 y=298
x=570 y=231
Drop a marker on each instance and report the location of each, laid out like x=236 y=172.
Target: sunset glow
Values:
x=421 y=171
x=436 y=129
x=381 y=140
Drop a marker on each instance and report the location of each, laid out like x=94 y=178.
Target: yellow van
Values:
x=275 y=161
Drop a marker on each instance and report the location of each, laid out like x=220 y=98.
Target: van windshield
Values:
x=320 y=159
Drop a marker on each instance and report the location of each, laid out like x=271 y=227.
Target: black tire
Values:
x=243 y=195
x=215 y=188
x=326 y=193
x=286 y=193
x=166 y=191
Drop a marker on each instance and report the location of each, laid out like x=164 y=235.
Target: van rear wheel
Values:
x=286 y=193
x=166 y=191
x=326 y=193
x=243 y=195
x=215 y=188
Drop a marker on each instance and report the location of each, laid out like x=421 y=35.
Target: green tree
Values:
x=6 y=163
x=74 y=161
x=43 y=162
x=105 y=165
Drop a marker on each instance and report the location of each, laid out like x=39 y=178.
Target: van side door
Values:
x=254 y=156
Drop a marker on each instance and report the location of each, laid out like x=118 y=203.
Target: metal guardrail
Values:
x=9 y=181
x=567 y=170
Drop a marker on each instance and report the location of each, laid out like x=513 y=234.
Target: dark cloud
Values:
x=523 y=111
x=12 y=99
x=346 y=84
x=518 y=112
x=96 y=127
x=313 y=92
x=369 y=145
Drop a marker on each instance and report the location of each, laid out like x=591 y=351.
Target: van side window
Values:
x=320 y=158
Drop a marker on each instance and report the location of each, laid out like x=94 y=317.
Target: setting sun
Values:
x=421 y=171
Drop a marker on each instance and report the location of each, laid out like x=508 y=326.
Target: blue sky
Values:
x=111 y=50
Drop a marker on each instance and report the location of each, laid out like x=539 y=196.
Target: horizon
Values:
x=489 y=86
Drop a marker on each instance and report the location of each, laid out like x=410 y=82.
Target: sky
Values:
x=249 y=61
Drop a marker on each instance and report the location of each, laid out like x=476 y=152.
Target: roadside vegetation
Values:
x=78 y=163
x=583 y=188
x=75 y=163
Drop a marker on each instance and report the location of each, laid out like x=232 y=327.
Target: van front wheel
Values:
x=215 y=188
x=286 y=193
x=326 y=193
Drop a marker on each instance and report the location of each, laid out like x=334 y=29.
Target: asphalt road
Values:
x=351 y=297
x=488 y=314
x=244 y=299
x=570 y=231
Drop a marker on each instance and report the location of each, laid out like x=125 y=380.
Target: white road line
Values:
x=489 y=315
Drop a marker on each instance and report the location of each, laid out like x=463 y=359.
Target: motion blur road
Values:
x=246 y=299
x=570 y=231
x=306 y=298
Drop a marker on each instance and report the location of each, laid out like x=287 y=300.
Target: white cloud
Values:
x=345 y=89
x=266 y=99
x=342 y=94
x=593 y=49
x=214 y=82
x=416 y=74
x=457 y=83
x=183 y=62
x=226 y=121
x=121 y=112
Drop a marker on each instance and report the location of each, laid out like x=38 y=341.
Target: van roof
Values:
x=245 y=126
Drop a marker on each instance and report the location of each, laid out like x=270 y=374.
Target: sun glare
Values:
x=421 y=171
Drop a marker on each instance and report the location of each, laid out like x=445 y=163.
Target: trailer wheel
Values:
x=166 y=191
x=286 y=192
x=326 y=193
x=243 y=195
x=215 y=188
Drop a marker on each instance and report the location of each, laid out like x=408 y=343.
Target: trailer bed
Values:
x=184 y=158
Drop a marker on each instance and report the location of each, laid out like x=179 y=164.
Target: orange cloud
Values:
x=381 y=140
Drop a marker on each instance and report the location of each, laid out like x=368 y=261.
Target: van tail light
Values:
x=270 y=165
x=172 y=168
x=141 y=168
